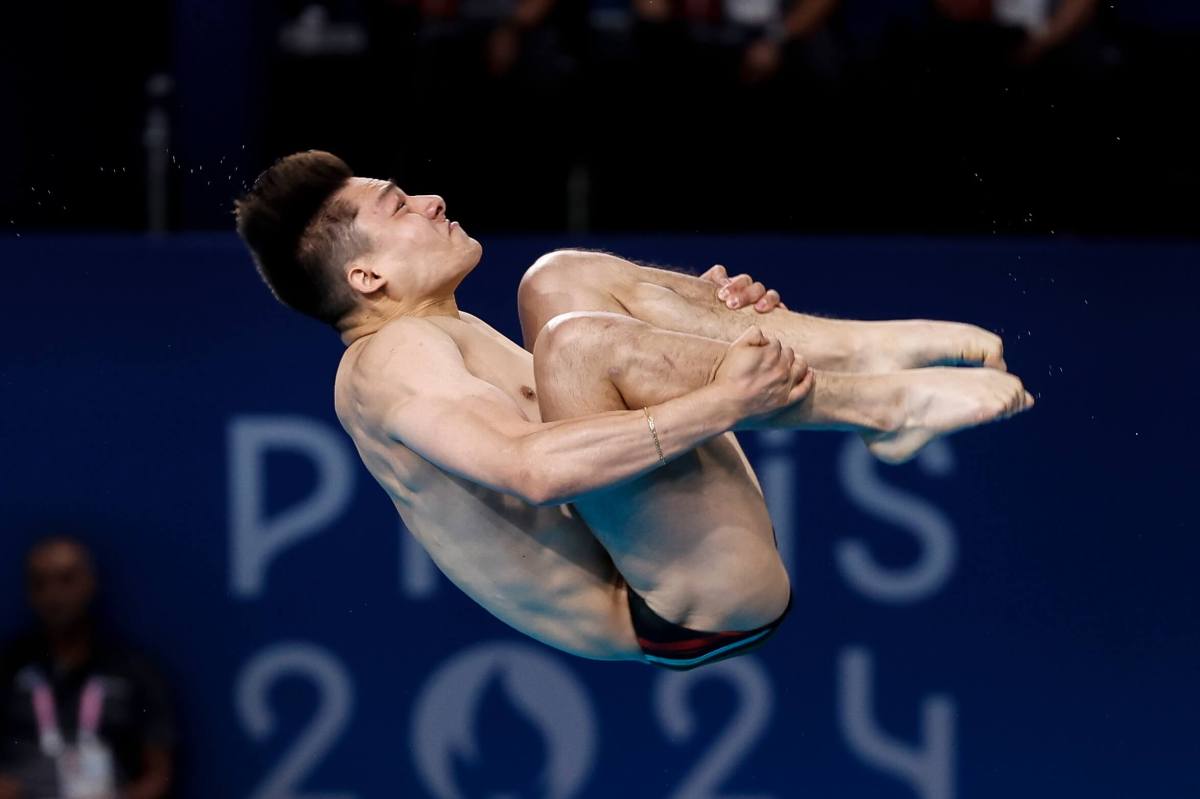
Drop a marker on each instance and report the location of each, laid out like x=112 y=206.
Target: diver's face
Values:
x=414 y=246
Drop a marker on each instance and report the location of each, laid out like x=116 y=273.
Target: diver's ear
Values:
x=363 y=278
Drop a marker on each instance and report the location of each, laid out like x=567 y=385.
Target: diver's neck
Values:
x=370 y=320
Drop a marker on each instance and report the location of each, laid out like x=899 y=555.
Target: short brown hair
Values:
x=300 y=236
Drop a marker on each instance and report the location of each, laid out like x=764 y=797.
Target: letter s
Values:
x=932 y=529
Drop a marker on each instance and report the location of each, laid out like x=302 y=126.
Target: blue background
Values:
x=1064 y=636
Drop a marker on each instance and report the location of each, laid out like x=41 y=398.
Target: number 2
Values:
x=336 y=700
x=714 y=767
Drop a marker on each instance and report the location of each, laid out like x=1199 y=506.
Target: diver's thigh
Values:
x=694 y=538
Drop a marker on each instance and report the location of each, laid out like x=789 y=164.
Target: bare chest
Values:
x=495 y=359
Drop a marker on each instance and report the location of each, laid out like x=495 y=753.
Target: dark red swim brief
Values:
x=676 y=647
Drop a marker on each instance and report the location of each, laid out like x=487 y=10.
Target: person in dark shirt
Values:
x=80 y=715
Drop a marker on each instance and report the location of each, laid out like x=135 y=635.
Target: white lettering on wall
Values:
x=256 y=540
x=928 y=767
x=418 y=573
x=335 y=705
x=715 y=766
x=776 y=471
x=932 y=529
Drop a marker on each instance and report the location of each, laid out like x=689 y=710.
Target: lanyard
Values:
x=91 y=705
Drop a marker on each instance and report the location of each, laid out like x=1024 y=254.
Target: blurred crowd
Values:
x=944 y=116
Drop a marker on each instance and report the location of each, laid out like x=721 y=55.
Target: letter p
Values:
x=254 y=539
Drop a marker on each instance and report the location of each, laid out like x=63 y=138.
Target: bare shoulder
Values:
x=482 y=325
x=408 y=339
x=391 y=365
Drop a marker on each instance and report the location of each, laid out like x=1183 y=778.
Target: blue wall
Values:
x=1013 y=614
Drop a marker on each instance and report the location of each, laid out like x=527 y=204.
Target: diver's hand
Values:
x=759 y=375
x=743 y=291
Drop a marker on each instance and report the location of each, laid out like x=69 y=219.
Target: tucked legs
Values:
x=692 y=537
x=572 y=280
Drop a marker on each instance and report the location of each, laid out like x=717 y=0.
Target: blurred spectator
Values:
x=81 y=717
x=1045 y=30
x=1057 y=41
x=320 y=50
x=1008 y=104
x=730 y=97
x=500 y=32
x=1038 y=26
x=801 y=29
x=313 y=33
x=759 y=36
x=442 y=95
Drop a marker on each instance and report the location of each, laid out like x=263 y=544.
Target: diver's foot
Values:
x=939 y=400
x=916 y=343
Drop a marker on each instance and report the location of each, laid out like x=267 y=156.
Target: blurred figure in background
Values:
x=756 y=36
x=750 y=83
x=1027 y=29
x=80 y=715
x=493 y=34
x=318 y=50
x=1005 y=102
x=479 y=91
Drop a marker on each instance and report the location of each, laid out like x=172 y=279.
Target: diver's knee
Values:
x=577 y=334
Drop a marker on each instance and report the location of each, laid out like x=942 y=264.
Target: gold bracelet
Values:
x=653 y=432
